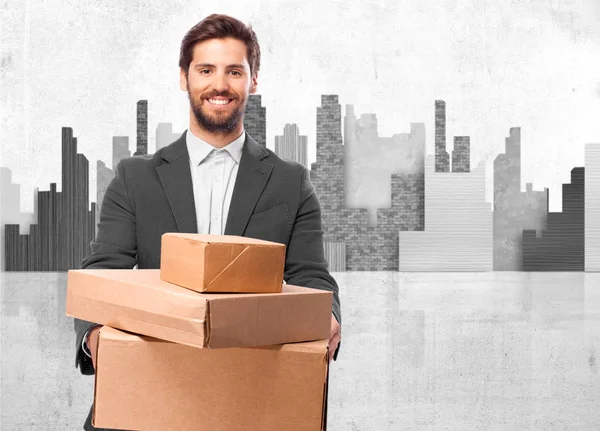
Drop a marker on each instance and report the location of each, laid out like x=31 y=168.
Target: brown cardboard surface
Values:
x=222 y=263
x=139 y=301
x=147 y=384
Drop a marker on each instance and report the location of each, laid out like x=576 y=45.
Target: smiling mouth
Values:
x=220 y=102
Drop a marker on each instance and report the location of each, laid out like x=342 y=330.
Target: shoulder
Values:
x=135 y=164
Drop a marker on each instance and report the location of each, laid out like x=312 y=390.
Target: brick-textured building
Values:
x=442 y=159
x=561 y=246
x=142 y=128
x=255 y=119
x=514 y=210
x=461 y=154
x=368 y=248
x=291 y=145
x=592 y=207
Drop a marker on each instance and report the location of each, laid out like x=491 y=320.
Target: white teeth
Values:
x=218 y=101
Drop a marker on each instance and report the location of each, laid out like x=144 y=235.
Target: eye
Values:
x=202 y=71
x=237 y=73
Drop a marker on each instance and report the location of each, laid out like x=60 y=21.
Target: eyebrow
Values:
x=231 y=66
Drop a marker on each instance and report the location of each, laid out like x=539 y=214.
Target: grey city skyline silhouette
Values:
x=385 y=204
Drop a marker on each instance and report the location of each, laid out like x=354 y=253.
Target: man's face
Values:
x=218 y=82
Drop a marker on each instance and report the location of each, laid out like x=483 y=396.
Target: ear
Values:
x=254 y=84
x=182 y=79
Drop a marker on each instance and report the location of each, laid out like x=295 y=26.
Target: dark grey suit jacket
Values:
x=273 y=199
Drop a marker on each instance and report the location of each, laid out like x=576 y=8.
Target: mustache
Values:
x=221 y=94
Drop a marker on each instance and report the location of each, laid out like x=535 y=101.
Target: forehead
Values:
x=220 y=51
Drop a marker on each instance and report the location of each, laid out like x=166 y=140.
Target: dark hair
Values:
x=218 y=26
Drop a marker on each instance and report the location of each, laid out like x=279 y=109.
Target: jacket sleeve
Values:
x=305 y=258
x=115 y=247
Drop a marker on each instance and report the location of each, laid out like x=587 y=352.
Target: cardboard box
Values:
x=222 y=263
x=139 y=301
x=147 y=384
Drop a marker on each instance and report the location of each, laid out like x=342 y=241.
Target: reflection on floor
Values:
x=458 y=351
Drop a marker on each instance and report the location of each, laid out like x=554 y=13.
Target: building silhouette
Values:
x=367 y=248
x=592 y=207
x=66 y=225
x=442 y=159
x=458 y=224
x=461 y=154
x=120 y=150
x=514 y=210
x=164 y=136
x=291 y=145
x=10 y=209
x=104 y=174
x=142 y=128
x=255 y=119
x=561 y=246
x=370 y=161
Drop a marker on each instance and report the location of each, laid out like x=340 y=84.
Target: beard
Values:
x=216 y=122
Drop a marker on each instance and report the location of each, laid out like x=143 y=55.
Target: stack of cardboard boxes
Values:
x=213 y=340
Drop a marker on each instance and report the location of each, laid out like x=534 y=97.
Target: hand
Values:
x=93 y=343
x=335 y=336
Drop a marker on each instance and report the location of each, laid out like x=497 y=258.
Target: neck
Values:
x=217 y=140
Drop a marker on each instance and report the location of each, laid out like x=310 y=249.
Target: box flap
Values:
x=136 y=285
x=222 y=257
x=234 y=264
x=139 y=301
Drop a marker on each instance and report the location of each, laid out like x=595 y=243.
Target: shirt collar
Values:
x=199 y=149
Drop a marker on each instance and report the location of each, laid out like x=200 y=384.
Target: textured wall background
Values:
x=530 y=64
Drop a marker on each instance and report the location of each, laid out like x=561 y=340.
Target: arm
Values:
x=305 y=263
x=114 y=248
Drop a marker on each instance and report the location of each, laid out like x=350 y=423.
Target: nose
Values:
x=221 y=83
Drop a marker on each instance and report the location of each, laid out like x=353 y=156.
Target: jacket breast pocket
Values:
x=273 y=224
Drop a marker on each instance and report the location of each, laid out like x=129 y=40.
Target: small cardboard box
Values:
x=139 y=301
x=147 y=384
x=222 y=263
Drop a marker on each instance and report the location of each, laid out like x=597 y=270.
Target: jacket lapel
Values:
x=251 y=180
x=176 y=179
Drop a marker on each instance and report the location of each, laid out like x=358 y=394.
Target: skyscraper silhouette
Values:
x=442 y=159
x=592 y=207
x=291 y=145
x=142 y=128
x=165 y=135
x=461 y=155
x=120 y=150
x=10 y=209
x=561 y=246
x=370 y=161
x=66 y=225
x=514 y=210
x=255 y=119
x=367 y=248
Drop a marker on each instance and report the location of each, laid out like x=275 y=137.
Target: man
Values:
x=214 y=179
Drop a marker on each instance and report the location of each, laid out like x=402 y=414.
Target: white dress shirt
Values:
x=214 y=171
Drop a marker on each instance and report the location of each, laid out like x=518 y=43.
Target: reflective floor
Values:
x=457 y=351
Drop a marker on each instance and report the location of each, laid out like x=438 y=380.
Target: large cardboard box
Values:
x=139 y=301
x=222 y=263
x=147 y=384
